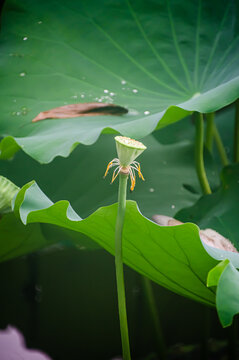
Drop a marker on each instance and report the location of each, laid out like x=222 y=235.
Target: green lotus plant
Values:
x=128 y=150
x=169 y=67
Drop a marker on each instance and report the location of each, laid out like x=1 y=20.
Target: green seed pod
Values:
x=128 y=150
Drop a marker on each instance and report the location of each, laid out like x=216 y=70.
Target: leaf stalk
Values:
x=199 y=142
x=209 y=131
x=220 y=147
x=213 y=133
x=149 y=294
x=119 y=266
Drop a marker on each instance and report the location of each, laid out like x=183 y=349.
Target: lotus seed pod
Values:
x=128 y=149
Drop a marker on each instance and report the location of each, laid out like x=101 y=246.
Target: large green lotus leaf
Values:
x=174 y=257
x=17 y=239
x=161 y=60
x=226 y=278
x=168 y=170
x=219 y=211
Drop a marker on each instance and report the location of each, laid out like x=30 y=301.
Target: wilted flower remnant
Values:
x=128 y=150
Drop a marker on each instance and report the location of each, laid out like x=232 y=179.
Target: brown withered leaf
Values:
x=83 y=109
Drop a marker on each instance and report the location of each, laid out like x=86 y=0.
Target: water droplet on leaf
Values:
x=196 y=95
x=24 y=110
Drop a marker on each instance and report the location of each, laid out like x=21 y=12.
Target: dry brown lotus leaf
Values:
x=83 y=109
x=208 y=236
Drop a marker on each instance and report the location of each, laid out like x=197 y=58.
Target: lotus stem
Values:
x=236 y=133
x=206 y=327
x=199 y=161
x=233 y=340
x=148 y=290
x=119 y=266
x=220 y=147
x=209 y=131
x=213 y=133
x=128 y=150
x=201 y=173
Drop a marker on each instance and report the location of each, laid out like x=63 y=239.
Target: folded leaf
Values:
x=226 y=278
x=216 y=272
x=7 y=192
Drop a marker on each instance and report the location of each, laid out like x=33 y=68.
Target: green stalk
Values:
x=209 y=131
x=206 y=190
x=199 y=161
x=236 y=133
x=220 y=147
x=155 y=317
x=212 y=132
x=119 y=266
x=202 y=177
x=233 y=342
x=206 y=329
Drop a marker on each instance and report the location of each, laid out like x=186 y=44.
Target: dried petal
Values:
x=83 y=109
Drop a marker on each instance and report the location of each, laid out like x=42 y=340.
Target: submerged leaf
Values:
x=83 y=109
